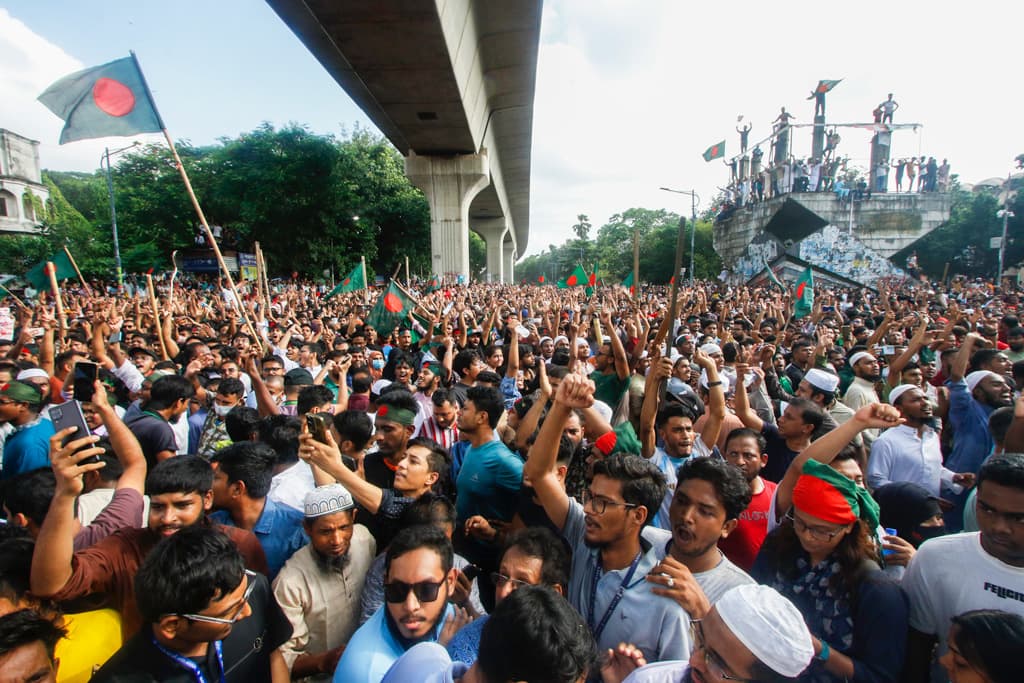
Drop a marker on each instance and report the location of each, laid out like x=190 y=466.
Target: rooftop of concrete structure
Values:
x=438 y=78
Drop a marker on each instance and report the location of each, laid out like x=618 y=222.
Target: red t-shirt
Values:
x=742 y=545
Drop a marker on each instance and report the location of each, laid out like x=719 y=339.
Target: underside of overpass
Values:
x=451 y=85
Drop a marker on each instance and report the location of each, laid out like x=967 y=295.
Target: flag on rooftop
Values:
x=825 y=86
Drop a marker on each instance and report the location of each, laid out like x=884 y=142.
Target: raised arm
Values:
x=327 y=457
x=575 y=391
x=741 y=402
x=659 y=373
x=825 y=449
x=618 y=350
x=716 y=398
x=55 y=546
x=122 y=440
x=962 y=359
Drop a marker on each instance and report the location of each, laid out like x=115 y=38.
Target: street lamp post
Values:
x=1006 y=215
x=694 y=200
x=113 y=209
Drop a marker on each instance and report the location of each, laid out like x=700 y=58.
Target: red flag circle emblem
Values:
x=113 y=97
x=392 y=304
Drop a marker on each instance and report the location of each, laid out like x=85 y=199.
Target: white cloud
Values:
x=28 y=65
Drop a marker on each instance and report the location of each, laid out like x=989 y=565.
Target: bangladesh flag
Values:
x=434 y=284
x=591 y=282
x=40 y=279
x=628 y=283
x=353 y=282
x=577 y=278
x=773 y=278
x=111 y=99
x=804 y=294
x=391 y=308
x=540 y=279
x=714 y=151
x=825 y=86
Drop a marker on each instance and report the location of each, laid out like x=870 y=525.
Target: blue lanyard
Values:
x=599 y=629
x=191 y=666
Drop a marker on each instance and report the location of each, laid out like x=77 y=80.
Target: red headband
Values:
x=821 y=499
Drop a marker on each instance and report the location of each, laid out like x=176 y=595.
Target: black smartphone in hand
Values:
x=85 y=374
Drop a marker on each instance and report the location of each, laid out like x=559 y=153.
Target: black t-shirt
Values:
x=155 y=435
x=377 y=471
x=246 y=649
x=779 y=454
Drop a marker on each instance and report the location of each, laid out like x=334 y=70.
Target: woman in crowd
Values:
x=984 y=646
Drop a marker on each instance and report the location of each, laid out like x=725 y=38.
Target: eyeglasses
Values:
x=711 y=658
x=398 y=591
x=814 y=532
x=600 y=505
x=250 y=576
x=500 y=580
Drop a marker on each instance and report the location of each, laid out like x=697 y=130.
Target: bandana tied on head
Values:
x=400 y=415
x=832 y=497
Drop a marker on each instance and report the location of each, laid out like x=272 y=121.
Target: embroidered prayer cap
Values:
x=822 y=380
x=895 y=394
x=711 y=349
x=769 y=626
x=32 y=373
x=832 y=497
x=859 y=356
x=326 y=500
x=975 y=378
x=21 y=393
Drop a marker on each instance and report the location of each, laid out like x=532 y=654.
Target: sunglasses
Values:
x=250 y=577
x=398 y=591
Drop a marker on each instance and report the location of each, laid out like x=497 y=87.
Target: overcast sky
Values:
x=629 y=92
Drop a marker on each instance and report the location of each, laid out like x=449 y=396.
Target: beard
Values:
x=331 y=564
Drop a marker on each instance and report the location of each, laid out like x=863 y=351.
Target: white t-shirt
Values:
x=953 y=574
x=671 y=671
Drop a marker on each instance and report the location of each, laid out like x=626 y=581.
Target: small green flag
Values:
x=110 y=99
x=804 y=294
x=714 y=151
x=773 y=278
x=353 y=282
x=628 y=282
x=577 y=278
x=40 y=280
x=391 y=308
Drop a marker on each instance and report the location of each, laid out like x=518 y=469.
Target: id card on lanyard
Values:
x=192 y=667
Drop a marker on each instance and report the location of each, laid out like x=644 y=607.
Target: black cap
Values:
x=298 y=377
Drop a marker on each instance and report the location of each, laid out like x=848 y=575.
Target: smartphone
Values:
x=69 y=414
x=889 y=532
x=84 y=379
x=317 y=425
x=471 y=571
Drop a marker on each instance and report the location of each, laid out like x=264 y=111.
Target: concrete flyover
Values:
x=451 y=85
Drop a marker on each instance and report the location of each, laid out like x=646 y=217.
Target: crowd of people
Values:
x=518 y=483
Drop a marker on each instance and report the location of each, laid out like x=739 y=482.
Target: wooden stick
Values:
x=670 y=315
x=407 y=271
x=209 y=237
x=74 y=265
x=156 y=315
x=366 y=288
x=174 y=262
x=636 y=265
x=51 y=270
x=18 y=301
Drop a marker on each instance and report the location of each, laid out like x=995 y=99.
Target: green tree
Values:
x=582 y=227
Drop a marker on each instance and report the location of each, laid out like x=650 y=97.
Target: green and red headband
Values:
x=832 y=497
x=394 y=414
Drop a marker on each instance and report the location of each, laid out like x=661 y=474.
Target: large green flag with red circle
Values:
x=110 y=99
x=577 y=278
x=716 y=151
x=391 y=309
x=804 y=294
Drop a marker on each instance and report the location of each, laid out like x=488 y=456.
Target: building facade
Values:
x=23 y=197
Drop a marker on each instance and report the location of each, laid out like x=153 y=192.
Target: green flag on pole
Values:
x=38 y=277
x=110 y=99
x=434 y=284
x=592 y=282
x=716 y=151
x=391 y=308
x=804 y=295
x=628 y=282
x=353 y=282
x=577 y=278
x=773 y=278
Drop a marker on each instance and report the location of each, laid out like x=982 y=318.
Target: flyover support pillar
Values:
x=509 y=256
x=450 y=183
x=493 y=230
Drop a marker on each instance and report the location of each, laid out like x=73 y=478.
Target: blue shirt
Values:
x=279 y=530
x=373 y=649
x=972 y=441
x=27 y=449
x=465 y=644
x=489 y=482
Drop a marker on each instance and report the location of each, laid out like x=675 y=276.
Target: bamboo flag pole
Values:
x=195 y=203
x=407 y=271
x=636 y=265
x=670 y=315
x=366 y=288
x=156 y=315
x=74 y=265
x=51 y=270
x=174 y=275
x=11 y=294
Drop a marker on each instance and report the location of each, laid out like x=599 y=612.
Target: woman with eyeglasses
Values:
x=984 y=647
x=824 y=560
